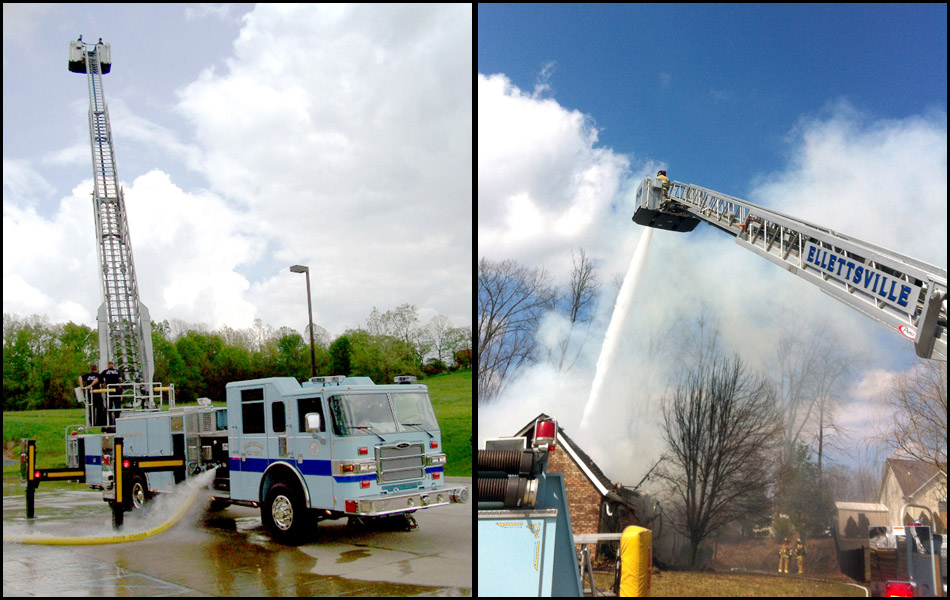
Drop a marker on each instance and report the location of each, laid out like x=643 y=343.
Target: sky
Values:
x=247 y=139
x=833 y=114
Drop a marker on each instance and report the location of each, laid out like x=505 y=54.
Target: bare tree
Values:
x=512 y=299
x=812 y=374
x=861 y=483
x=437 y=331
x=918 y=397
x=457 y=339
x=580 y=301
x=721 y=429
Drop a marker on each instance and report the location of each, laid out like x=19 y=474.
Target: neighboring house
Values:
x=915 y=482
x=596 y=504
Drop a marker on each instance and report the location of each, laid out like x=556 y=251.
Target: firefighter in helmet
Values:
x=800 y=554
x=661 y=175
x=783 y=553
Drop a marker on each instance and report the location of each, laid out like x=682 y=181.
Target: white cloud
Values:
x=542 y=182
x=865 y=414
x=335 y=136
x=44 y=257
x=22 y=185
x=883 y=181
x=201 y=10
x=354 y=125
x=194 y=254
x=71 y=155
x=21 y=20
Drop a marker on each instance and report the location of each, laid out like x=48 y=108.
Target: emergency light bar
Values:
x=328 y=379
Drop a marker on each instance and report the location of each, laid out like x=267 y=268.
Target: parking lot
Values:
x=229 y=553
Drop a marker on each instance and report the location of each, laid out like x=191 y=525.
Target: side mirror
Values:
x=313 y=422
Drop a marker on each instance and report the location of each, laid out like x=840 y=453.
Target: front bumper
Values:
x=391 y=504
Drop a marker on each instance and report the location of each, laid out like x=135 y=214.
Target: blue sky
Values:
x=713 y=90
x=833 y=114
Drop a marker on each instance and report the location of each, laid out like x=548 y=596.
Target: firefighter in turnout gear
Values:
x=661 y=175
x=799 y=555
x=783 y=553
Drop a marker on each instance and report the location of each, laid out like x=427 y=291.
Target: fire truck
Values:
x=327 y=448
x=330 y=447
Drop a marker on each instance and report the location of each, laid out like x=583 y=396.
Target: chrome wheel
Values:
x=138 y=495
x=283 y=512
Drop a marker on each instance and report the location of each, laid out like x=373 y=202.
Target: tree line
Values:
x=42 y=360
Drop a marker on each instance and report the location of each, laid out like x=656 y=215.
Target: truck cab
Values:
x=332 y=447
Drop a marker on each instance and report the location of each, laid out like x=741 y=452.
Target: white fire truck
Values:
x=331 y=447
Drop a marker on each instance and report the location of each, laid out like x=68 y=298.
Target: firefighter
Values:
x=90 y=381
x=661 y=175
x=783 y=554
x=800 y=554
x=86 y=379
x=109 y=378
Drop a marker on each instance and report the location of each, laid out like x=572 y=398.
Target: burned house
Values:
x=596 y=504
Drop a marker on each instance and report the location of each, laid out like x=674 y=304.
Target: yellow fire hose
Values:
x=105 y=539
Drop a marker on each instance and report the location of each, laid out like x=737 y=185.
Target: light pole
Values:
x=313 y=356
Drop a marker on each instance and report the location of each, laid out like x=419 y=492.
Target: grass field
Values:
x=691 y=584
x=451 y=396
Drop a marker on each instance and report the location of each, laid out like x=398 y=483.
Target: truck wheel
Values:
x=138 y=493
x=284 y=513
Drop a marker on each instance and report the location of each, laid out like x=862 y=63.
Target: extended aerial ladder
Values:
x=124 y=328
x=902 y=293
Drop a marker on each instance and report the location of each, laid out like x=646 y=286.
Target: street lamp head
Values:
x=313 y=358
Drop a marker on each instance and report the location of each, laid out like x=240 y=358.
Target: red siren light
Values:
x=545 y=433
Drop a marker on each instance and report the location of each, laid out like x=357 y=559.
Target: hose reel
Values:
x=508 y=471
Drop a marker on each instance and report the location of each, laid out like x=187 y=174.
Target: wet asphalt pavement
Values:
x=229 y=553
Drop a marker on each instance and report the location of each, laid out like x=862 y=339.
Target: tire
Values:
x=138 y=492
x=284 y=514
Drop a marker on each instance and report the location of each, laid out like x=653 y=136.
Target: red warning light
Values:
x=899 y=588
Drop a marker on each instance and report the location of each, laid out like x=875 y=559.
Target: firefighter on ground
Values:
x=783 y=554
x=799 y=554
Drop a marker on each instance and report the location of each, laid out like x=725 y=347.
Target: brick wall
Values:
x=583 y=499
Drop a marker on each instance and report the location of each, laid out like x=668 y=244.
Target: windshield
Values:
x=371 y=414
x=414 y=407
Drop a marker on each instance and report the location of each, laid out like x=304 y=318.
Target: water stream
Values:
x=616 y=327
